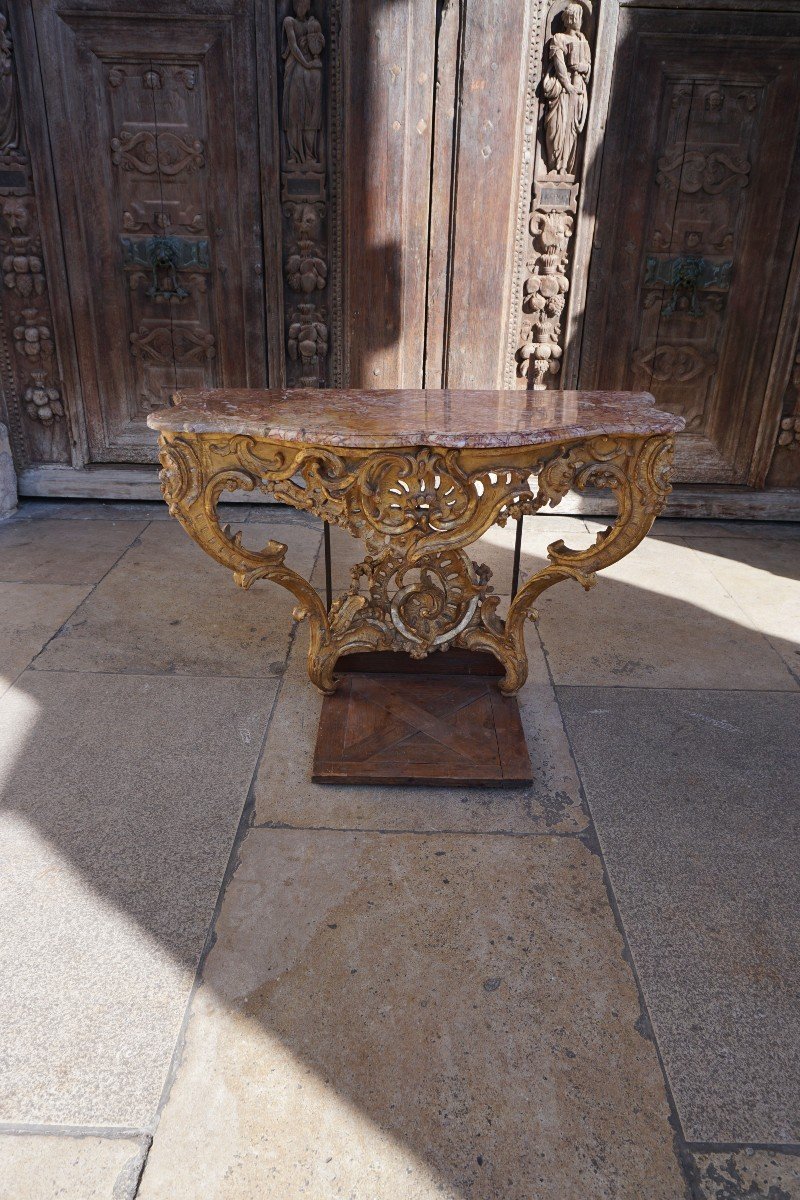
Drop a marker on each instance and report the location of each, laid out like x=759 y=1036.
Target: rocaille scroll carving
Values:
x=563 y=109
x=417 y=511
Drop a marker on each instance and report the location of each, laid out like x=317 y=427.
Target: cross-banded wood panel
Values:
x=427 y=729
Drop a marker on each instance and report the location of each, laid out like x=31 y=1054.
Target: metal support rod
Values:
x=517 y=552
x=326 y=537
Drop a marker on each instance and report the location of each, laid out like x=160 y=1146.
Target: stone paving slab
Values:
x=751 y=530
x=745 y=1175
x=763 y=577
x=659 y=618
x=121 y=799
x=48 y=1167
x=60 y=552
x=388 y=1016
x=30 y=613
x=91 y=510
x=167 y=607
x=285 y=795
x=694 y=797
x=132 y=510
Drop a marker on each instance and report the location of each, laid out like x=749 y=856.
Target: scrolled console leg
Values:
x=637 y=470
x=195 y=472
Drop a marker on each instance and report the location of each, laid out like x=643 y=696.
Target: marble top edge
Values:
x=391 y=418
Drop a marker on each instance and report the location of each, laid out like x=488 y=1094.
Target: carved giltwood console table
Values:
x=418 y=476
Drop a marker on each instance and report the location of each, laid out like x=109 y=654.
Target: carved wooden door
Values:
x=697 y=216
x=149 y=108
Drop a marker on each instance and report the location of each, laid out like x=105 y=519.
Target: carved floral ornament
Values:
x=416 y=590
x=42 y=400
x=33 y=339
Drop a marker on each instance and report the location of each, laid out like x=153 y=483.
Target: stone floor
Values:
x=220 y=981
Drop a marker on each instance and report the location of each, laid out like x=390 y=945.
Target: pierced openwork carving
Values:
x=417 y=511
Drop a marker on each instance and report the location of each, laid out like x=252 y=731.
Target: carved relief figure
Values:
x=308 y=341
x=306 y=269
x=564 y=91
x=9 y=108
x=303 y=43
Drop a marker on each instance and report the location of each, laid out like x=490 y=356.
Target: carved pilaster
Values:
x=309 y=104
x=789 y=430
x=558 y=98
x=29 y=374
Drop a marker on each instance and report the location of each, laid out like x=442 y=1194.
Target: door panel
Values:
x=153 y=120
x=696 y=218
x=388 y=121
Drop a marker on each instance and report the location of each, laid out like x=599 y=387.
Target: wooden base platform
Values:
x=442 y=721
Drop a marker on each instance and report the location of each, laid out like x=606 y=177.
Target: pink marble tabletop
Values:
x=377 y=419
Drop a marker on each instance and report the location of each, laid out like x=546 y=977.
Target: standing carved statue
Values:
x=303 y=43
x=9 y=108
x=564 y=91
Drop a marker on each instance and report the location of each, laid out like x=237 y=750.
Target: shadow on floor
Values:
x=458 y=1003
